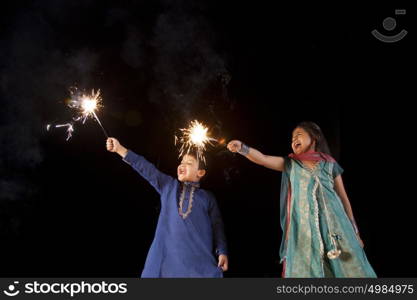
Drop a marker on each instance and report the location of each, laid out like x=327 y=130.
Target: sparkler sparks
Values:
x=196 y=137
x=86 y=106
x=70 y=129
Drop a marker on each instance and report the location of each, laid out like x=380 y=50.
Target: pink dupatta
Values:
x=312 y=156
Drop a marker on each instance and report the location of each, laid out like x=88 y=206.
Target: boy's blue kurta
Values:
x=182 y=247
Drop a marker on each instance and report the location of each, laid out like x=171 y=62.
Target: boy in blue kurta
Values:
x=190 y=230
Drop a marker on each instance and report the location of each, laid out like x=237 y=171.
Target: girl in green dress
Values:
x=320 y=237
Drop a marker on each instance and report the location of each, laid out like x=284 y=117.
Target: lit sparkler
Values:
x=86 y=105
x=196 y=137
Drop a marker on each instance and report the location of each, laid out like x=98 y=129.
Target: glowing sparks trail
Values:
x=194 y=137
x=86 y=106
x=70 y=129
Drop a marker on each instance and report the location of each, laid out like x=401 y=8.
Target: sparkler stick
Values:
x=99 y=123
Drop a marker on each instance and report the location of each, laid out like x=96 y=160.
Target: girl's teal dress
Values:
x=314 y=222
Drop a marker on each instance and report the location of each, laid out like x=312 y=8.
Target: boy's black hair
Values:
x=201 y=164
x=316 y=135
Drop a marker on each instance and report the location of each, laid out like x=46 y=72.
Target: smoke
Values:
x=133 y=49
x=45 y=50
x=19 y=145
x=83 y=63
x=36 y=72
x=188 y=72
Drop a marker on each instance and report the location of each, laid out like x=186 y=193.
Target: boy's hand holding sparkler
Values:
x=113 y=145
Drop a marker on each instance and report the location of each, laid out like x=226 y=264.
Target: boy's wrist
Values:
x=122 y=151
x=221 y=252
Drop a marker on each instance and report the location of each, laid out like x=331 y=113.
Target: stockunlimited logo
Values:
x=389 y=25
x=11 y=290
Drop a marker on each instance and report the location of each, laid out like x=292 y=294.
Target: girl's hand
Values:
x=234 y=146
x=223 y=262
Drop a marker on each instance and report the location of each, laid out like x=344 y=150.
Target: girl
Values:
x=320 y=237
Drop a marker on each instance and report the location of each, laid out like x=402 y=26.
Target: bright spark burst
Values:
x=86 y=104
x=196 y=137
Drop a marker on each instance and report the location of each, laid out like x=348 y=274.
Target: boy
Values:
x=189 y=222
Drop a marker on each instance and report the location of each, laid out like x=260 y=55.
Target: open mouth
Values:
x=297 y=145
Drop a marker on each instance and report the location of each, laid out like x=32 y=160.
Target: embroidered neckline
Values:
x=194 y=186
x=311 y=169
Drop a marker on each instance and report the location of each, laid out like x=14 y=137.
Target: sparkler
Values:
x=86 y=106
x=196 y=136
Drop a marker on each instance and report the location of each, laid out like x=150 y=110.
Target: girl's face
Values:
x=301 y=141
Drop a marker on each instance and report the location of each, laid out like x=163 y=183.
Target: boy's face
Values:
x=301 y=141
x=188 y=169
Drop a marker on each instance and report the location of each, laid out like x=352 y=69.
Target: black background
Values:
x=250 y=71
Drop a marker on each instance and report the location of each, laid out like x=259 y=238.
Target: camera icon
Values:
x=389 y=24
x=11 y=290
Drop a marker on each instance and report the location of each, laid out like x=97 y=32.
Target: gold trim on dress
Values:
x=190 y=202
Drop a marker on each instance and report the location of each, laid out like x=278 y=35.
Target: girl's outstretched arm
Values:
x=272 y=162
x=341 y=192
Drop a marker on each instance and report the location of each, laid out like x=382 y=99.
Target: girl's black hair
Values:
x=316 y=135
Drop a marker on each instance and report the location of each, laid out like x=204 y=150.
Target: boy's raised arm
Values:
x=146 y=169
